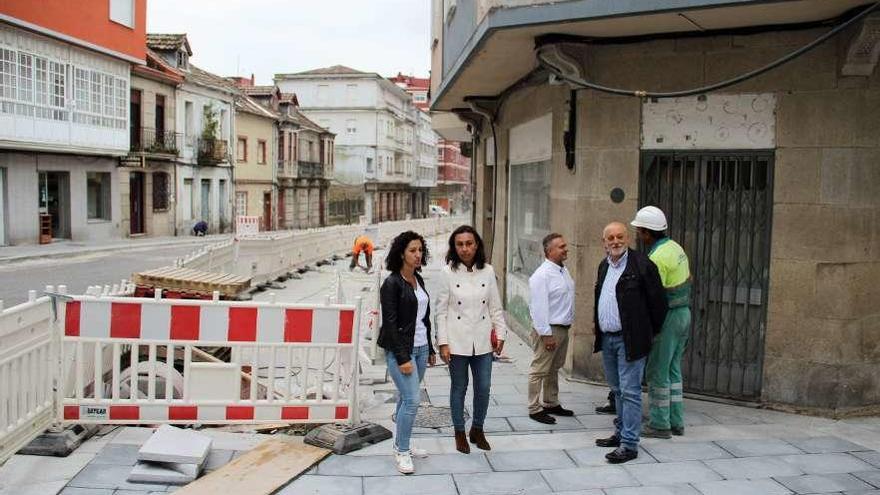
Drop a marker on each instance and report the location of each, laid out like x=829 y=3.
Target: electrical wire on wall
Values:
x=584 y=84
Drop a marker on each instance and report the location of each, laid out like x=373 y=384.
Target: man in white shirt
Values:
x=551 y=306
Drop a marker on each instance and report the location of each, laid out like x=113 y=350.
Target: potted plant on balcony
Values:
x=211 y=149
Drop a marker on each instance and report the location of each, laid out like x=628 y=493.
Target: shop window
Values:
x=160 y=191
x=98 y=195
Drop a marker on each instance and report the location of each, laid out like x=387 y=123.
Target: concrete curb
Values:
x=98 y=249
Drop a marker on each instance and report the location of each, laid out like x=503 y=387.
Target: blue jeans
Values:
x=481 y=369
x=625 y=379
x=409 y=393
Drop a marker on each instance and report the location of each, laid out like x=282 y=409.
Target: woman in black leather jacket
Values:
x=406 y=335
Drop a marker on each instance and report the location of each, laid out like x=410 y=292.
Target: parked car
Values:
x=437 y=211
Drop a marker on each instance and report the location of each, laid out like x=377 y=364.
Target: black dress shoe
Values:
x=678 y=430
x=543 y=417
x=612 y=441
x=558 y=410
x=621 y=454
x=606 y=409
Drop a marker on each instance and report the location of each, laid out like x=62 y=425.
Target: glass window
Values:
x=160 y=191
x=122 y=11
x=241 y=203
x=58 y=80
x=261 y=151
x=8 y=80
x=98 y=195
x=25 y=77
x=241 y=150
x=351 y=126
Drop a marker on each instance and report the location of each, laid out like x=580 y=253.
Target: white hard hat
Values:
x=651 y=218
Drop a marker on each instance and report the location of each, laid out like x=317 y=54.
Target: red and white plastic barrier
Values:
x=247 y=225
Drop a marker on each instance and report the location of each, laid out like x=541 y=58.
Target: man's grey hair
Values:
x=548 y=239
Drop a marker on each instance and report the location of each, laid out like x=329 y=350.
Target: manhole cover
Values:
x=433 y=416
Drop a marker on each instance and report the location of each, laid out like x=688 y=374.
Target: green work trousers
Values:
x=663 y=372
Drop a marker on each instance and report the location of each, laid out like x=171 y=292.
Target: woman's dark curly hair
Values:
x=452 y=254
x=394 y=258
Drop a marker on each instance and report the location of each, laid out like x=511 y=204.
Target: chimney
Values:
x=252 y=78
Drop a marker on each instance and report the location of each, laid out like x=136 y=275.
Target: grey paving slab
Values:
x=163 y=472
x=324 y=485
x=823 y=483
x=753 y=467
x=597 y=421
x=696 y=418
x=171 y=444
x=654 y=490
x=136 y=492
x=595 y=456
x=348 y=465
x=871 y=457
x=521 y=482
x=872 y=476
x=862 y=492
x=585 y=478
x=530 y=460
x=733 y=419
x=490 y=425
x=439 y=484
x=826 y=463
x=475 y=462
x=581 y=492
x=826 y=445
x=496 y=411
x=510 y=399
x=528 y=424
x=22 y=470
x=118 y=454
x=86 y=491
x=740 y=487
x=110 y=476
x=133 y=435
x=665 y=451
x=217 y=458
x=669 y=473
x=504 y=389
x=758 y=447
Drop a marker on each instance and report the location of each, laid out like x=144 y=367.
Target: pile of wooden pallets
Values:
x=186 y=283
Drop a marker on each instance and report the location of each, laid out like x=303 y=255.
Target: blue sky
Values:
x=265 y=37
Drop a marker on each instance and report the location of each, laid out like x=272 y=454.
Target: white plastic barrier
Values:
x=297 y=358
x=247 y=225
x=26 y=375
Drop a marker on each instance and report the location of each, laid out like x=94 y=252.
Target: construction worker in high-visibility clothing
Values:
x=365 y=245
x=663 y=371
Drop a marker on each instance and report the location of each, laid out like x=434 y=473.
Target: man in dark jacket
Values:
x=629 y=309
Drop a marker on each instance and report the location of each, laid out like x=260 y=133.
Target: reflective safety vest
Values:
x=675 y=273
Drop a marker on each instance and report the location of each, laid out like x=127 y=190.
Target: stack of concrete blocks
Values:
x=171 y=455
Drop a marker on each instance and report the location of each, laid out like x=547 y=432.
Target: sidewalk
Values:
x=65 y=248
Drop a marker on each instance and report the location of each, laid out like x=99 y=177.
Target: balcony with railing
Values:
x=286 y=169
x=155 y=143
x=309 y=170
x=212 y=151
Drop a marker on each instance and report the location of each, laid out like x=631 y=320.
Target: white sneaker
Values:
x=404 y=462
x=413 y=451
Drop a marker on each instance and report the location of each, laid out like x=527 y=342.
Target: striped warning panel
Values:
x=163 y=413
x=177 y=320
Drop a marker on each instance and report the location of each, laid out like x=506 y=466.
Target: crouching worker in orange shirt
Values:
x=365 y=245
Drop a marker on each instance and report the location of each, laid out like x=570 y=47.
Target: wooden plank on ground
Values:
x=261 y=471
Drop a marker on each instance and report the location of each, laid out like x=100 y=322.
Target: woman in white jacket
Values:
x=468 y=309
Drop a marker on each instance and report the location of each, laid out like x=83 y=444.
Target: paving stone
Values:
x=133 y=435
x=218 y=458
x=595 y=456
x=44 y=488
x=758 y=447
x=529 y=460
x=739 y=487
x=110 y=476
x=475 y=462
x=439 y=484
x=585 y=478
x=823 y=483
x=86 y=491
x=863 y=492
x=347 y=465
x=871 y=476
x=519 y=482
x=491 y=425
x=510 y=399
x=733 y=419
x=171 y=444
x=136 y=492
x=597 y=421
x=22 y=470
x=654 y=490
x=496 y=411
x=697 y=418
x=504 y=389
x=665 y=451
x=826 y=463
x=118 y=454
x=753 y=467
x=324 y=485
x=172 y=473
x=528 y=424
x=581 y=492
x=672 y=473
x=825 y=445
x=872 y=457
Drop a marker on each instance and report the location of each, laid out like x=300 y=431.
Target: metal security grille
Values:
x=719 y=208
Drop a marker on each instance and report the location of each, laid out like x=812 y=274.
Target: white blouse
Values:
x=421 y=336
x=468 y=308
